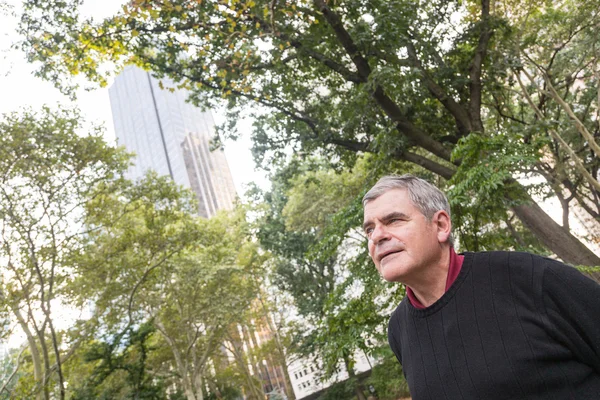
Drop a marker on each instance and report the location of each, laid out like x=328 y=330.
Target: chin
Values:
x=391 y=276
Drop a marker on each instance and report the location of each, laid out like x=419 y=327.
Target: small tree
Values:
x=48 y=174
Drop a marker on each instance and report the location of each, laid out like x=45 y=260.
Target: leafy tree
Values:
x=118 y=253
x=308 y=221
x=552 y=67
x=126 y=356
x=265 y=342
x=387 y=378
x=403 y=80
x=149 y=256
x=10 y=365
x=48 y=172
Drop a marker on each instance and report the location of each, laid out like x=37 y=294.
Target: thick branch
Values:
x=349 y=144
x=564 y=145
x=578 y=124
x=460 y=115
x=419 y=137
x=321 y=58
x=428 y=164
x=475 y=86
x=334 y=20
x=12 y=375
x=339 y=68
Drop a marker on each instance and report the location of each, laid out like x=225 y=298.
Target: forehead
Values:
x=394 y=200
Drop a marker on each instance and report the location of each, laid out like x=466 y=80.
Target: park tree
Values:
x=151 y=258
x=120 y=368
x=308 y=221
x=10 y=369
x=49 y=170
x=262 y=340
x=430 y=83
x=133 y=264
x=551 y=63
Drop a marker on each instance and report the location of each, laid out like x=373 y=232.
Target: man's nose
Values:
x=379 y=234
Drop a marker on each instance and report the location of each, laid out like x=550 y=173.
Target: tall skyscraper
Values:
x=170 y=136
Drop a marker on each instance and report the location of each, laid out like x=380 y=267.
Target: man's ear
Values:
x=443 y=225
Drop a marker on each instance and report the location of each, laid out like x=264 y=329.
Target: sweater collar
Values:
x=454 y=287
x=454 y=268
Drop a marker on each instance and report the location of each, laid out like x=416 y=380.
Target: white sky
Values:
x=19 y=89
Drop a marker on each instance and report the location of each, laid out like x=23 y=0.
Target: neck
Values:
x=431 y=285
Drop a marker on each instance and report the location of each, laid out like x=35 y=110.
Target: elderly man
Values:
x=491 y=325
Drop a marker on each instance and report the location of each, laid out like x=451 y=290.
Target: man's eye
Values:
x=368 y=231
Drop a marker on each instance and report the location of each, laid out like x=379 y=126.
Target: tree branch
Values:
x=564 y=145
x=419 y=137
x=428 y=164
x=460 y=115
x=12 y=375
x=475 y=70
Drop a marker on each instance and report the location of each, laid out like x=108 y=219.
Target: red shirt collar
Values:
x=456 y=262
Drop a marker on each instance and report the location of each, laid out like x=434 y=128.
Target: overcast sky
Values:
x=19 y=88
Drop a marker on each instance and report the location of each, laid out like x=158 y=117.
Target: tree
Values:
x=151 y=257
x=120 y=369
x=552 y=66
x=48 y=174
x=402 y=80
x=78 y=236
x=11 y=363
x=308 y=221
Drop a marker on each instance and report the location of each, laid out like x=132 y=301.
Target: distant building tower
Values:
x=171 y=137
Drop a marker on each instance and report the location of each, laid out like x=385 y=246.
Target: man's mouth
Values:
x=388 y=253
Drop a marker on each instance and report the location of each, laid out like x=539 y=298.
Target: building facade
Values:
x=170 y=136
x=306 y=375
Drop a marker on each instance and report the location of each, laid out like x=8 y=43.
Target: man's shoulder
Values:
x=513 y=259
x=513 y=268
x=400 y=308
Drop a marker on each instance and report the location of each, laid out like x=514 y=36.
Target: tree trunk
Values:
x=281 y=353
x=38 y=374
x=198 y=383
x=242 y=362
x=252 y=346
x=358 y=387
x=555 y=237
x=182 y=368
x=282 y=357
x=215 y=389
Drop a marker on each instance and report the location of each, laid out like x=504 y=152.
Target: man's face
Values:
x=402 y=242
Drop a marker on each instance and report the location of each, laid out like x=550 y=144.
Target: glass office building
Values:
x=171 y=137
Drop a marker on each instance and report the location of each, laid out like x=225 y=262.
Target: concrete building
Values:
x=305 y=375
x=170 y=136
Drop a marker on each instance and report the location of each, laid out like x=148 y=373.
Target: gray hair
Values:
x=427 y=198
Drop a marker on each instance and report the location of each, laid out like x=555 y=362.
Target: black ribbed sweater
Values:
x=512 y=326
